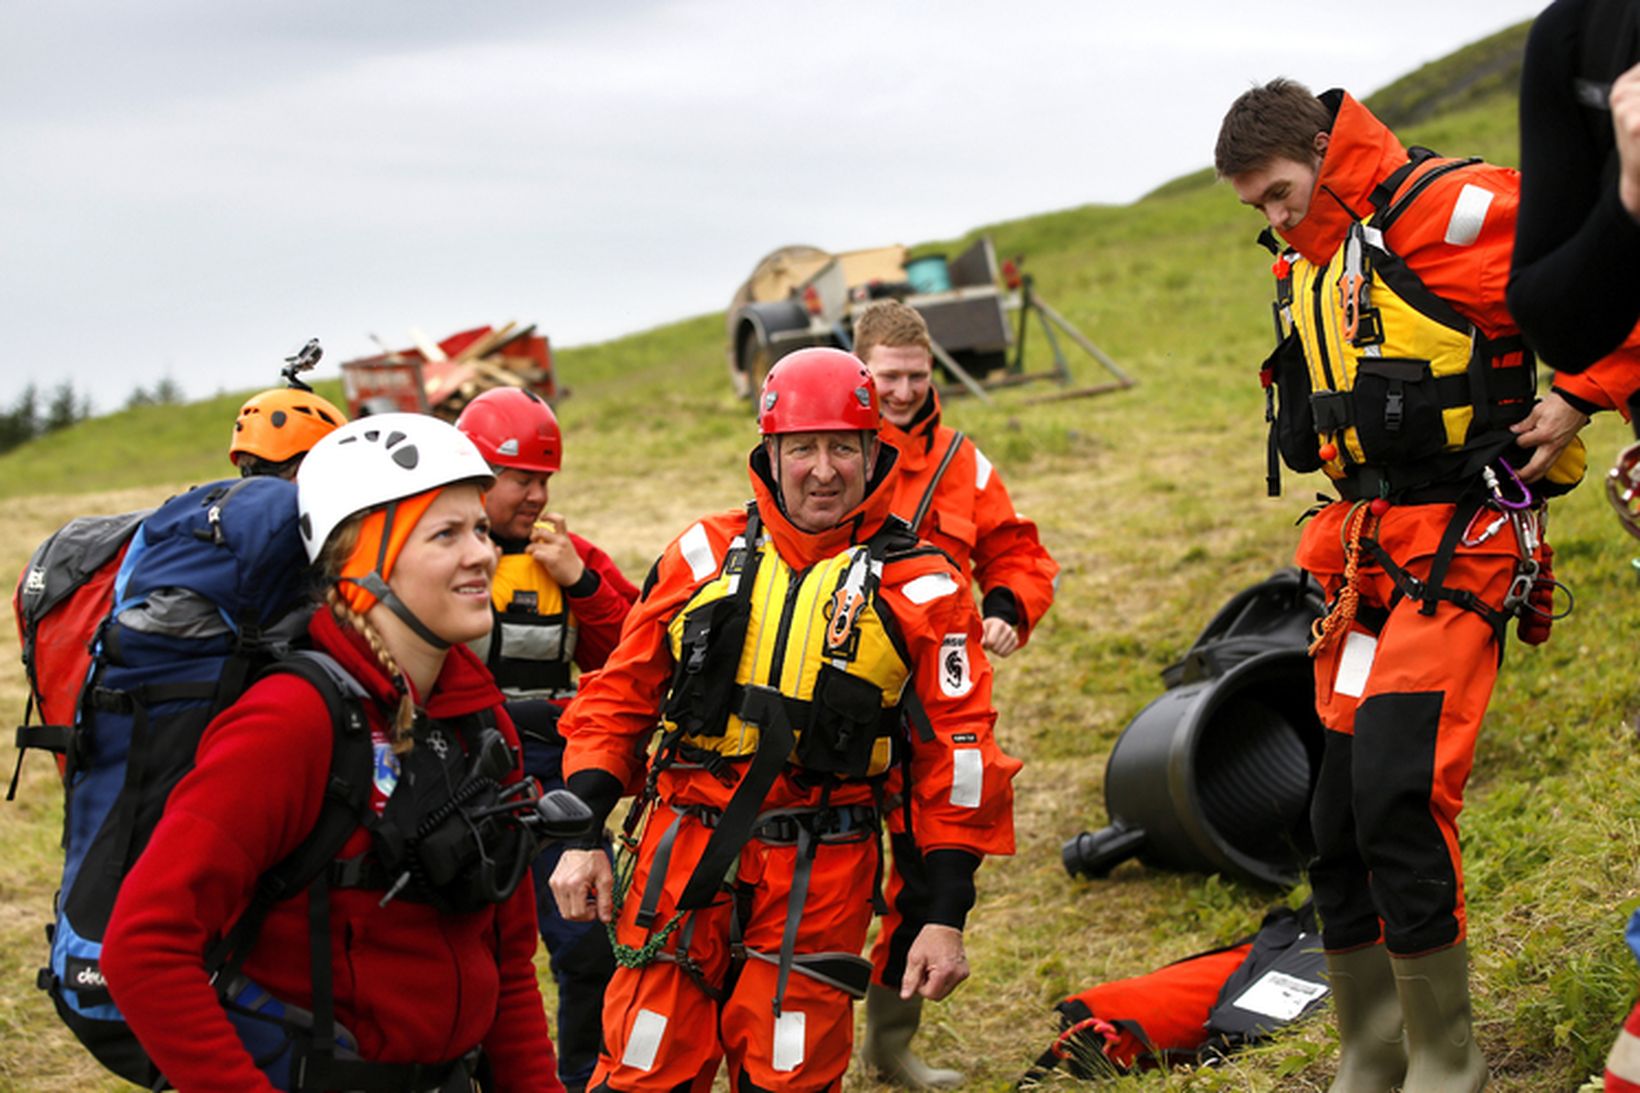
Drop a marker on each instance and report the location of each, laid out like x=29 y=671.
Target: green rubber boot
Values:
x=1372 y=1054
x=891 y=1022
x=1442 y=1056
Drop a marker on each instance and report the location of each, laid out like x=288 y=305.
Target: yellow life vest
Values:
x=815 y=636
x=1396 y=389
x=532 y=644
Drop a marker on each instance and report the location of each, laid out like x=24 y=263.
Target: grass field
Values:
x=1152 y=501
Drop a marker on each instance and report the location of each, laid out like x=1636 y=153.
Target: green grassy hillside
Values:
x=1152 y=501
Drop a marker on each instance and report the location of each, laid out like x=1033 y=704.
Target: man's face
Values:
x=902 y=374
x=822 y=476
x=516 y=501
x=1281 y=190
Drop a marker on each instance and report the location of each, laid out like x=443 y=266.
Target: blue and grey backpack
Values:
x=207 y=597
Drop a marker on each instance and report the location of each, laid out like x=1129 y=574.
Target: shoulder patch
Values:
x=929 y=587
x=1468 y=215
x=697 y=551
x=982 y=469
x=955 y=677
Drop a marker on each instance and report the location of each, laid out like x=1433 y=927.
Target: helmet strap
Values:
x=372 y=583
x=771 y=444
x=375 y=584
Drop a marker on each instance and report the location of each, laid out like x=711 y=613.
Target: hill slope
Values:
x=1152 y=502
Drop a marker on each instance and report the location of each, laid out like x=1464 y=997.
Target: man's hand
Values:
x=584 y=886
x=1550 y=426
x=998 y=636
x=1625 y=104
x=550 y=545
x=935 y=965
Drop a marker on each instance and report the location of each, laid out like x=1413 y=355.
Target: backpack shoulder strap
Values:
x=347 y=797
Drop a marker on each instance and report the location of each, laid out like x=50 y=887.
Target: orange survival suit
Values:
x=1403 y=683
x=956 y=500
x=764 y=972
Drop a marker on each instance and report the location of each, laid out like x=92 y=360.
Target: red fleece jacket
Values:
x=411 y=983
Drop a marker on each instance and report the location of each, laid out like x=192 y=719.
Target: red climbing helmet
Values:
x=514 y=428
x=817 y=390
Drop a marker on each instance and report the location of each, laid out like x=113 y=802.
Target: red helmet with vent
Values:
x=817 y=390
x=514 y=428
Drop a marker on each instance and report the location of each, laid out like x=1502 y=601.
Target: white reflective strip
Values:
x=930 y=586
x=1468 y=215
x=1355 y=664
x=1373 y=236
x=967 y=777
x=982 y=469
x=645 y=1041
x=1624 y=1060
x=788 y=1041
x=697 y=551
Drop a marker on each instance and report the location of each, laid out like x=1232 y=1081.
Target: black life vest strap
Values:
x=732 y=628
x=764 y=708
x=927 y=501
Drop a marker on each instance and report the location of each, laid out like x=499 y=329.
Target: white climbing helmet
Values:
x=377 y=459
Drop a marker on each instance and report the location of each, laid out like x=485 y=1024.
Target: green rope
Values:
x=626 y=864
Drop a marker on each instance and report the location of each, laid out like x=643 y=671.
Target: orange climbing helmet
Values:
x=282 y=423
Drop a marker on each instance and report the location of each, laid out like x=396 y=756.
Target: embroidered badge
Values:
x=954 y=676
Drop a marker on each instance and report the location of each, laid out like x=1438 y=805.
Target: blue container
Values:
x=927 y=274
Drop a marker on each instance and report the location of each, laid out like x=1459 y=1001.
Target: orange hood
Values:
x=1361 y=152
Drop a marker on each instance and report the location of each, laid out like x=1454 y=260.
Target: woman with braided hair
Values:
x=428 y=985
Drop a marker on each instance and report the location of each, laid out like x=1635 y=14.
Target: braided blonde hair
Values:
x=338 y=548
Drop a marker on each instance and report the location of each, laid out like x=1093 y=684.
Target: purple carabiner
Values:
x=1491 y=477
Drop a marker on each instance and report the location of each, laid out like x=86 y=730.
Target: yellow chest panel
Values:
x=533 y=619
x=788 y=647
x=1397 y=366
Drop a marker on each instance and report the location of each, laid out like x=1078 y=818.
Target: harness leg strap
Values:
x=807 y=846
x=657 y=874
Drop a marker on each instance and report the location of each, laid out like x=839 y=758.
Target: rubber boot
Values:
x=1372 y=1053
x=1442 y=1056
x=891 y=1022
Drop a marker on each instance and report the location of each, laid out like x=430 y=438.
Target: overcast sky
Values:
x=192 y=188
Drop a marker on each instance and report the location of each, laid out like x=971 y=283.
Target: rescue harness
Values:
x=777 y=671
x=1399 y=399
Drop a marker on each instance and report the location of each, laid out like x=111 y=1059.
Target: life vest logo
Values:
x=87 y=977
x=955 y=679
x=842 y=638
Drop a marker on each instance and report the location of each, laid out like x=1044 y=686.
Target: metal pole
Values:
x=961 y=373
x=1077 y=336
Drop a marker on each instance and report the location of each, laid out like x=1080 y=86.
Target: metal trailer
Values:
x=977 y=314
x=441 y=377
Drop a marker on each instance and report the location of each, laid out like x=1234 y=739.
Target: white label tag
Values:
x=1279 y=996
x=788 y=1041
x=645 y=1041
x=967 y=777
x=1355 y=664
